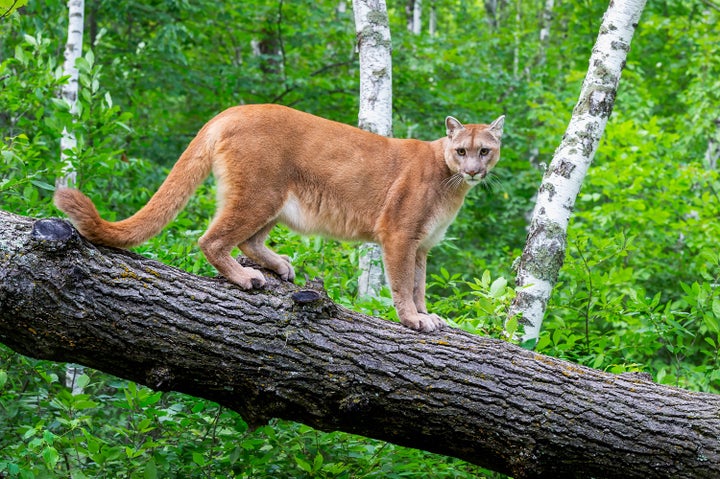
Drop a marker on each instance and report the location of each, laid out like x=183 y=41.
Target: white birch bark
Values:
x=544 y=253
x=546 y=21
x=69 y=93
x=712 y=153
x=417 y=17
x=545 y=24
x=375 y=114
x=73 y=50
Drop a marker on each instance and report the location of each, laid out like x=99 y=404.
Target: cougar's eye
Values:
x=460 y=151
x=484 y=151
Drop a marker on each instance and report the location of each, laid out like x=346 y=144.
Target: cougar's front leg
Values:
x=419 y=285
x=400 y=257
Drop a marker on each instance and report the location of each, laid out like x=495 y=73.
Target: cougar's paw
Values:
x=249 y=278
x=285 y=269
x=424 y=322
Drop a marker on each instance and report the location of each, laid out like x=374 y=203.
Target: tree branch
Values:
x=291 y=353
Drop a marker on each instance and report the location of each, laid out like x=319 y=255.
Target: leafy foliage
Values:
x=638 y=291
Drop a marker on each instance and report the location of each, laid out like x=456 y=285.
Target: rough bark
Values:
x=375 y=113
x=291 y=353
x=544 y=251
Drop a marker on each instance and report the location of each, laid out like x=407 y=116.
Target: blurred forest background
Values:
x=638 y=291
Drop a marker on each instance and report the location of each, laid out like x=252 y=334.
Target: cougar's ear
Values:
x=496 y=127
x=453 y=126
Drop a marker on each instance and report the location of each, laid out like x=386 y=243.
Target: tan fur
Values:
x=275 y=164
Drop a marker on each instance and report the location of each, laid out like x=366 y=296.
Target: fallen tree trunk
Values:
x=291 y=353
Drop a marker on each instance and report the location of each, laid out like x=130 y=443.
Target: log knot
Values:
x=306 y=296
x=313 y=303
x=53 y=234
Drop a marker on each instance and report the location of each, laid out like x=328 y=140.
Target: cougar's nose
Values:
x=473 y=172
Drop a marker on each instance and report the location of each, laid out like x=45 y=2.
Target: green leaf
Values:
x=486 y=278
x=444 y=273
x=318 y=462
x=150 y=471
x=28 y=38
x=50 y=456
x=198 y=459
x=83 y=379
x=712 y=321
x=543 y=342
x=511 y=326
x=304 y=465
x=497 y=288
x=43 y=185
x=20 y=55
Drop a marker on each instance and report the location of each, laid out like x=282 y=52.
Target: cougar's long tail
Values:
x=188 y=173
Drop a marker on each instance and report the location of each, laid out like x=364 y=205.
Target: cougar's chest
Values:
x=435 y=231
x=439 y=223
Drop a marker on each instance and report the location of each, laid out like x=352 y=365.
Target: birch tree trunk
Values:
x=432 y=20
x=375 y=113
x=68 y=142
x=291 y=353
x=712 y=153
x=69 y=92
x=417 y=17
x=545 y=25
x=544 y=251
x=492 y=12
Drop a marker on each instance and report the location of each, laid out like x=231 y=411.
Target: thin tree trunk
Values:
x=417 y=17
x=69 y=92
x=544 y=252
x=492 y=12
x=291 y=353
x=712 y=153
x=545 y=25
x=432 y=22
x=375 y=113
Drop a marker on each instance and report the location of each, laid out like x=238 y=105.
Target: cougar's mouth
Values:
x=473 y=180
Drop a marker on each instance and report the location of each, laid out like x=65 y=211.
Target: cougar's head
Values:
x=472 y=150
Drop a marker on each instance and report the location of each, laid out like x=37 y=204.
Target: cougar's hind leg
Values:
x=229 y=229
x=255 y=249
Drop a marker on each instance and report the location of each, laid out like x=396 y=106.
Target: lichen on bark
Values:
x=545 y=252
